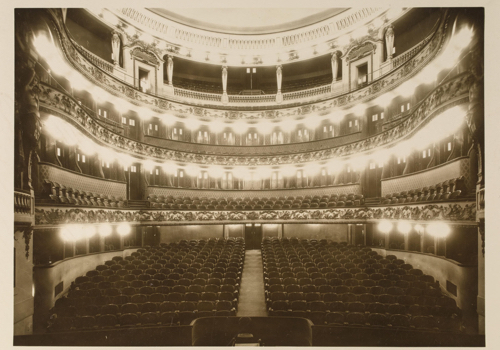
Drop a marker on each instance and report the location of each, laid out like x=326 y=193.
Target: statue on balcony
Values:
x=115 y=46
x=28 y=124
x=389 y=41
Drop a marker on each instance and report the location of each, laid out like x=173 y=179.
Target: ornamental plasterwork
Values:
x=161 y=105
x=456 y=211
x=450 y=94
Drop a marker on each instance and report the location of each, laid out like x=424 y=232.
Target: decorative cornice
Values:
x=116 y=87
x=460 y=212
x=450 y=94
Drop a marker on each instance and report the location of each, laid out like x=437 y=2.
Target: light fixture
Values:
x=384 y=226
x=89 y=231
x=123 y=229
x=419 y=229
x=104 y=230
x=438 y=229
x=404 y=227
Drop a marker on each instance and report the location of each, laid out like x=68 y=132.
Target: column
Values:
x=279 y=76
x=225 y=98
x=335 y=66
x=170 y=73
x=389 y=41
x=115 y=46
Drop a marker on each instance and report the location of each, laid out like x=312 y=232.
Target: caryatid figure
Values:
x=389 y=41
x=279 y=77
x=115 y=46
x=225 y=98
x=170 y=69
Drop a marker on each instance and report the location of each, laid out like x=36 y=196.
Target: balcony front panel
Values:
x=429 y=177
x=81 y=182
x=452 y=93
x=112 y=83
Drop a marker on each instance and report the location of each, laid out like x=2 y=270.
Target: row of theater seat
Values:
x=263 y=203
x=61 y=194
x=376 y=320
x=449 y=189
x=289 y=86
x=319 y=278
x=186 y=279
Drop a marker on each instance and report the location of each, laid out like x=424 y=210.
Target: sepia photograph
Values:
x=259 y=176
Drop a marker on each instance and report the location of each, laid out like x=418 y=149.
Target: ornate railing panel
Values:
x=451 y=93
x=462 y=212
x=344 y=97
x=98 y=61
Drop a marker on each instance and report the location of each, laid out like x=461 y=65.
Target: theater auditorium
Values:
x=266 y=177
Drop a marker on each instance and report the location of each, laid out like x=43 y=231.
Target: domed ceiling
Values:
x=247 y=20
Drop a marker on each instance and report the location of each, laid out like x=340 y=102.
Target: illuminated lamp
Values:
x=216 y=171
x=240 y=172
x=384 y=100
x=193 y=124
x=65 y=234
x=312 y=122
x=358 y=109
x=192 y=170
x=336 y=116
x=261 y=173
x=239 y=127
x=144 y=113
x=438 y=229
x=312 y=169
x=265 y=127
x=123 y=229
x=335 y=166
x=121 y=106
x=169 y=168
x=104 y=230
x=288 y=170
x=87 y=146
x=78 y=82
x=168 y=119
x=358 y=163
x=404 y=227
x=88 y=231
x=106 y=154
x=419 y=229
x=149 y=165
x=289 y=125
x=217 y=126
x=406 y=89
x=384 y=226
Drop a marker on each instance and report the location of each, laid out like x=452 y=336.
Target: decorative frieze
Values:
x=117 y=87
x=450 y=94
x=456 y=211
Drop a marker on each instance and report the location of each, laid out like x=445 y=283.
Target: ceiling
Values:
x=247 y=20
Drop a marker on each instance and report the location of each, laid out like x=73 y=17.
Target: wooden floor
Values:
x=252 y=299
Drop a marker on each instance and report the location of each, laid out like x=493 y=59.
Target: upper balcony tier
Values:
x=151 y=75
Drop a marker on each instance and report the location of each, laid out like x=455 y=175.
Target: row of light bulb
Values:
x=77 y=232
x=445 y=60
x=437 y=129
x=435 y=229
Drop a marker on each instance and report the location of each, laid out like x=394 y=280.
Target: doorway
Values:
x=253 y=236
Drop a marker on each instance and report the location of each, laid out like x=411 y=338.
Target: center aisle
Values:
x=252 y=299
